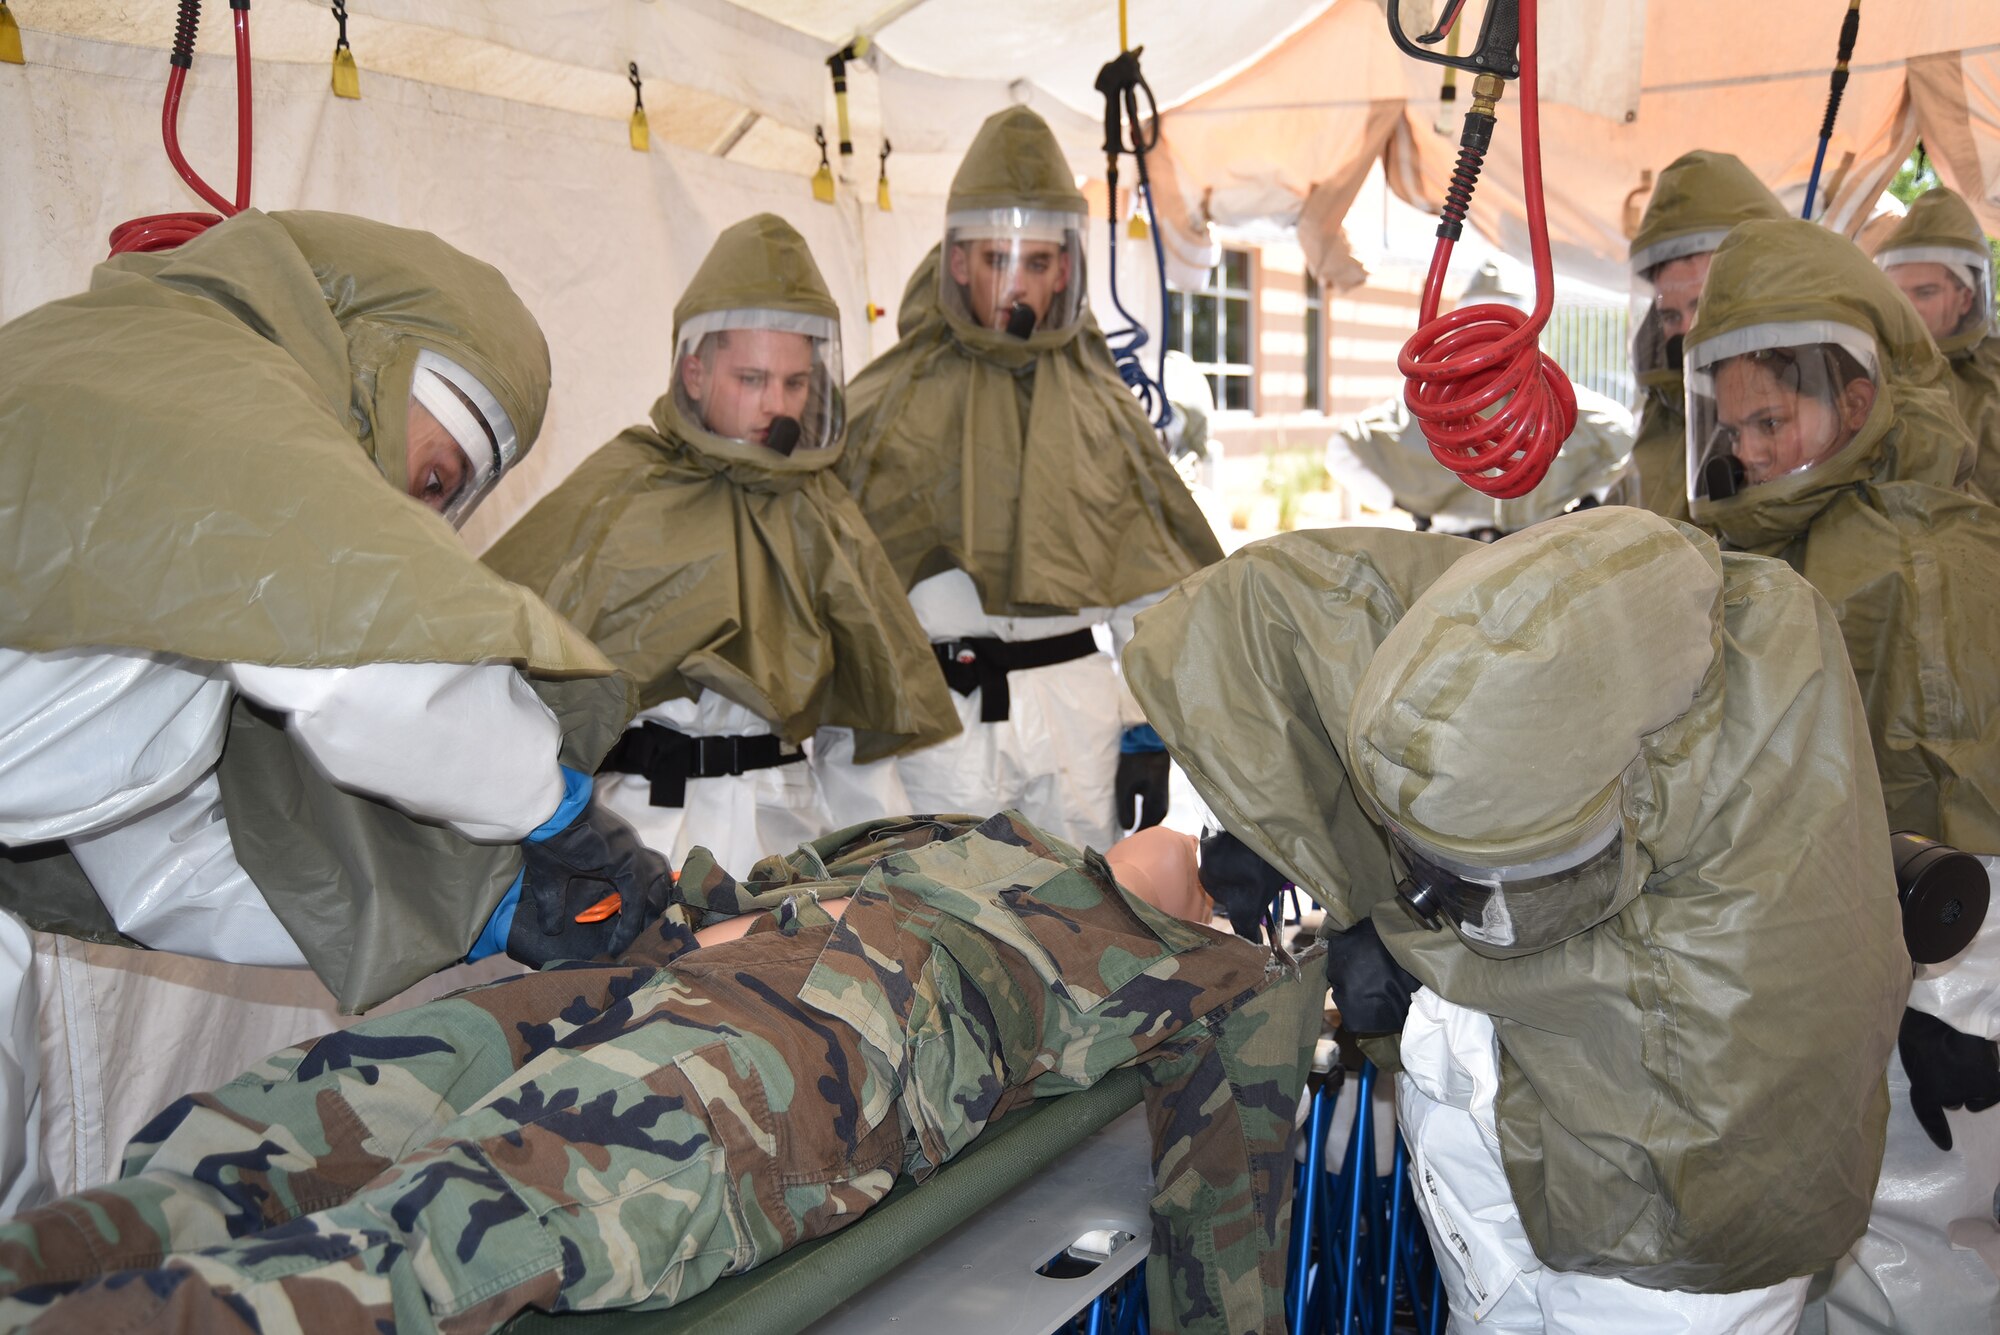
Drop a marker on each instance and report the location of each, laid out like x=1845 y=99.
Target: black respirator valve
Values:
x=1944 y=893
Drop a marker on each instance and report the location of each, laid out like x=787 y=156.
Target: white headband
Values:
x=483 y=431
x=1960 y=264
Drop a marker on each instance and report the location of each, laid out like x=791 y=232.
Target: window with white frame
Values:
x=1213 y=327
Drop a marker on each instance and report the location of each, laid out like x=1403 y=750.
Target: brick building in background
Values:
x=1288 y=364
x=1281 y=356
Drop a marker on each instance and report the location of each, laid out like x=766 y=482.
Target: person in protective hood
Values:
x=1022 y=497
x=222 y=639
x=716 y=559
x=1383 y=457
x=1821 y=429
x=1606 y=878
x=1700 y=196
x=1939 y=257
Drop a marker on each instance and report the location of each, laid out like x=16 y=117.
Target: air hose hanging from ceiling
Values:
x=1493 y=407
x=1850 y=28
x=1121 y=83
x=164 y=231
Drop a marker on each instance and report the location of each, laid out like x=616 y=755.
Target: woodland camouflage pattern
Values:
x=621 y=1135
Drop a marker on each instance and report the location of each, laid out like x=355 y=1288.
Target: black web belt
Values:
x=671 y=758
x=983 y=664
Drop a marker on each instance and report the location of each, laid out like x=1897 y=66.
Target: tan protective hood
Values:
x=179 y=469
x=1026 y=463
x=1607 y=619
x=1680 y=1106
x=697 y=562
x=1905 y=560
x=1769 y=272
x=179 y=472
x=1703 y=191
x=1940 y=218
x=1015 y=163
x=1698 y=192
x=761 y=263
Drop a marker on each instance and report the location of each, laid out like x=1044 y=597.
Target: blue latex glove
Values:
x=576 y=796
x=1139 y=740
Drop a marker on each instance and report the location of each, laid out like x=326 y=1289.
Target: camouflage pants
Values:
x=620 y=1136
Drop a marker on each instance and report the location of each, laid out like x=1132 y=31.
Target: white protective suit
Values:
x=1055 y=756
x=114 y=753
x=1444 y=1106
x=741 y=818
x=1933 y=1240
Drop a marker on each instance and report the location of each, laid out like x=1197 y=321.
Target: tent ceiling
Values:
x=1289 y=139
x=764 y=55
x=1274 y=104
x=1056 y=44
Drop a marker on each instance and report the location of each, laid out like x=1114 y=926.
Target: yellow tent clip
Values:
x=641 y=139
x=346 y=74
x=882 y=181
x=10 y=38
x=823 y=178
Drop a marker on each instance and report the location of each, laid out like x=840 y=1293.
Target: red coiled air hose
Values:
x=164 y=231
x=1459 y=366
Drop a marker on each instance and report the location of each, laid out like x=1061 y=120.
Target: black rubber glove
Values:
x=1142 y=788
x=573 y=870
x=1370 y=988
x=1241 y=882
x=1947 y=1069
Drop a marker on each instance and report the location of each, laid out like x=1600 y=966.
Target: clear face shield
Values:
x=1772 y=401
x=1524 y=907
x=1666 y=291
x=1015 y=271
x=460 y=454
x=1951 y=288
x=761 y=377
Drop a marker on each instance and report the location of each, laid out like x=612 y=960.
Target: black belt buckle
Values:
x=965 y=671
x=717 y=757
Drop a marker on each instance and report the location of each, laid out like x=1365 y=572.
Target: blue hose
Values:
x=1850 y=28
x=1128 y=342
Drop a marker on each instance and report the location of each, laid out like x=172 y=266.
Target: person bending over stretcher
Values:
x=621 y=1134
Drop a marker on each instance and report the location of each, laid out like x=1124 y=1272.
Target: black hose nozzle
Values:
x=1473 y=142
x=186 y=26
